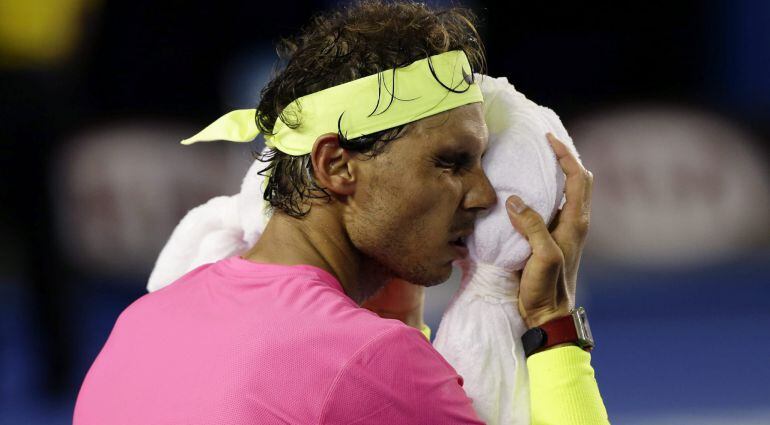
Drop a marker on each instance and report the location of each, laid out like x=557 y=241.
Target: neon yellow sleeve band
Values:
x=563 y=390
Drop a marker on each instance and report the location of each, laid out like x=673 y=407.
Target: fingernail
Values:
x=515 y=204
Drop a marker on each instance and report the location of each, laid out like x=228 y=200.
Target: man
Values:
x=374 y=177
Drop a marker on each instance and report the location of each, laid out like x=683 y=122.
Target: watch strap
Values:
x=557 y=331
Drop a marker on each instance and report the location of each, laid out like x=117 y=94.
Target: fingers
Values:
x=529 y=223
x=579 y=185
x=542 y=295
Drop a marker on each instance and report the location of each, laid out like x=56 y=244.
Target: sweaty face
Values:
x=413 y=201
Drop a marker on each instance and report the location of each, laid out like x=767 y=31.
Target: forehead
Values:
x=461 y=128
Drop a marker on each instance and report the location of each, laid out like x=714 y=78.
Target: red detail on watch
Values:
x=559 y=331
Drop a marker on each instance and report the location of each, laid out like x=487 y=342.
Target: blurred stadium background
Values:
x=668 y=102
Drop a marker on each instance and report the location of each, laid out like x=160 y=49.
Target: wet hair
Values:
x=360 y=39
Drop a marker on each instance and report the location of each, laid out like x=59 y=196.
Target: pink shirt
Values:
x=236 y=342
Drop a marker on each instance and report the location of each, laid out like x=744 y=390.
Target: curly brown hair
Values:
x=355 y=41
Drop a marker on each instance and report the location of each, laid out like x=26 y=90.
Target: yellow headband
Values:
x=359 y=107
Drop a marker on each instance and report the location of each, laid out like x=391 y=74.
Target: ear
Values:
x=331 y=165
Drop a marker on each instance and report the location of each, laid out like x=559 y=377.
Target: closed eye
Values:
x=442 y=163
x=453 y=166
x=456 y=163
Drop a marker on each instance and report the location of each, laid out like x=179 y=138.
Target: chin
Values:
x=419 y=272
x=429 y=277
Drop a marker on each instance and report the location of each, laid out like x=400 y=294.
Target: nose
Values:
x=481 y=194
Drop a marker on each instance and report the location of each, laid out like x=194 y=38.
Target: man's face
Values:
x=424 y=191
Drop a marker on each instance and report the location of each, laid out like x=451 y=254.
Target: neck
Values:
x=319 y=240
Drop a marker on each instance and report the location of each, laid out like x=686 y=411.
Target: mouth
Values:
x=460 y=242
x=459 y=246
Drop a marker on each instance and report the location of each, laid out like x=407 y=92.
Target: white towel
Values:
x=222 y=227
x=480 y=332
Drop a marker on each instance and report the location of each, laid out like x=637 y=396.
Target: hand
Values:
x=401 y=300
x=549 y=279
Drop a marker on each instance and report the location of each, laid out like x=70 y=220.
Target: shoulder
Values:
x=397 y=377
x=158 y=307
x=394 y=344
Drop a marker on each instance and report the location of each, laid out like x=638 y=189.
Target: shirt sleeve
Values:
x=398 y=378
x=563 y=389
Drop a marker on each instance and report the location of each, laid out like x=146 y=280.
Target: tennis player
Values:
x=376 y=134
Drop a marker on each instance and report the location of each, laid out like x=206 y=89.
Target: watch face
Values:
x=582 y=327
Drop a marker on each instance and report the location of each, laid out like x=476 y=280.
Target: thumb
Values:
x=540 y=279
x=530 y=224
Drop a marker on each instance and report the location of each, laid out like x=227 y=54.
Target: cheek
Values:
x=404 y=226
x=408 y=209
x=422 y=210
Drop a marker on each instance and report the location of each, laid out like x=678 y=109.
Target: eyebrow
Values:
x=459 y=150
x=460 y=156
